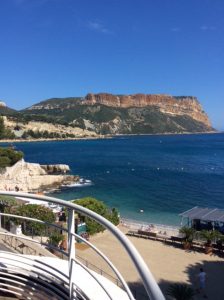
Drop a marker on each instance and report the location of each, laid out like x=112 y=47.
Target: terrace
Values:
x=30 y=271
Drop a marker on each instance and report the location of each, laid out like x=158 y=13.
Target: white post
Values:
x=71 y=250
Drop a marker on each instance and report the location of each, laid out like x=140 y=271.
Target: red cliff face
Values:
x=167 y=104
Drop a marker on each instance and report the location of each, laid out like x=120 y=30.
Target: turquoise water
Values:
x=163 y=175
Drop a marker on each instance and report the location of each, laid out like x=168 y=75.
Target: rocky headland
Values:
x=104 y=114
x=184 y=105
x=33 y=177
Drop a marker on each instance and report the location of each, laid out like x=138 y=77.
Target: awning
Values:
x=204 y=214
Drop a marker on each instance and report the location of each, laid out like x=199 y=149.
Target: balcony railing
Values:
x=34 y=272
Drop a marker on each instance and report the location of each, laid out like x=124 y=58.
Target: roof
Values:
x=205 y=214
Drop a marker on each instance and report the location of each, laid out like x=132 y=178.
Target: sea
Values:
x=149 y=178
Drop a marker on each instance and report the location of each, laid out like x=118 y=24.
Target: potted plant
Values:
x=209 y=236
x=189 y=233
x=54 y=239
x=180 y=291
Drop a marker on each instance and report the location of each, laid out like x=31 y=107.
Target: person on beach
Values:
x=202 y=279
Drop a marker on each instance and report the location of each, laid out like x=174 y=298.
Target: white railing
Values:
x=148 y=280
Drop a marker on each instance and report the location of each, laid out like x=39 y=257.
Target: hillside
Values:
x=115 y=114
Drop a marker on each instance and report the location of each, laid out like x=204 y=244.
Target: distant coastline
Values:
x=109 y=136
x=53 y=139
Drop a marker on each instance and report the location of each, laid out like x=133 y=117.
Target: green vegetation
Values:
x=9 y=156
x=104 y=119
x=188 y=232
x=4 y=132
x=180 y=291
x=210 y=236
x=101 y=209
x=45 y=135
x=6 y=201
x=135 y=120
x=33 y=211
x=55 y=238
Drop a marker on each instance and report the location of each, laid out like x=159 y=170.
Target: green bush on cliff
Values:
x=9 y=156
x=101 y=209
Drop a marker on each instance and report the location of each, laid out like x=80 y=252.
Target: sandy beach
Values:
x=167 y=263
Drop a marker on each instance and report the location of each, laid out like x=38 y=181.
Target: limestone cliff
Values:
x=56 y=169
x=167 y=104
x=31 y=177
x=103 y=113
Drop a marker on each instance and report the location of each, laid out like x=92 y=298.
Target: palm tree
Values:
x=209 y=236
x=189 y=233
x=180 y=291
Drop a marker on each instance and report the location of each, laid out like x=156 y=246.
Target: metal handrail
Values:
x=100 y=253
x=53 y=288
x=41 y=268
x=34 y=241
x=94 y=277
x=149 y=282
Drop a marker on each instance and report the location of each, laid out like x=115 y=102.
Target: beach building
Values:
x=29 y=271
x=204 y=218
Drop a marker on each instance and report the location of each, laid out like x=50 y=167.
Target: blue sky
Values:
x=60 y=48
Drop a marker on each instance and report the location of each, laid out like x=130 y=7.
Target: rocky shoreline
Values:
x=109 y=136
x=32 y=177
x=54 y=139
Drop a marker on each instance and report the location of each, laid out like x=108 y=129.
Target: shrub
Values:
x=188 y=232
x=9 y=156
x=210 y=236
x=33 y=211
x=180 y=291
x=55 y=238
x=6 y=201
x=4 y=162
x=101 y=209
x=4 y=132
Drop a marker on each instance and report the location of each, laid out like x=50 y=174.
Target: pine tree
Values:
x=2 y=128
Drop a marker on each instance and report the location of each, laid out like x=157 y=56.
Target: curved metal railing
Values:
x=149 y=282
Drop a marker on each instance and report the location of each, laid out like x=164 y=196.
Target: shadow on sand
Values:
x=214 y=284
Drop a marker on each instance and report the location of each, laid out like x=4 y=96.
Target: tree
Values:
x=2 y=128
x=9 y=156
x=4 y=132
x=6 y=201
x=35 y=211
x=180 y=291
x=55 y=238
x=189 y=234
x=210 y=236
x=101 y=209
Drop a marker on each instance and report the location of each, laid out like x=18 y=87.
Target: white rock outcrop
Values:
x=31 y=177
